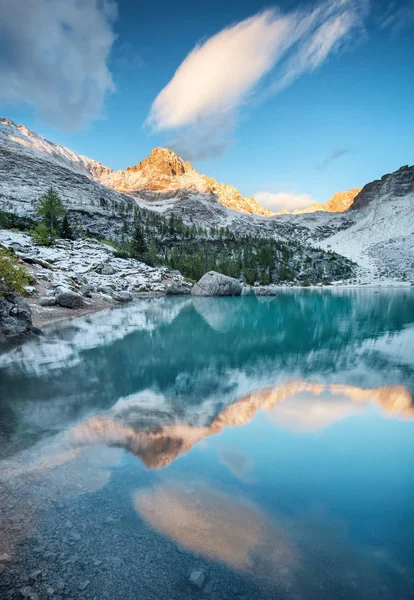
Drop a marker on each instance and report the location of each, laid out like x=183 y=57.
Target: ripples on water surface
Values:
x=266 y=442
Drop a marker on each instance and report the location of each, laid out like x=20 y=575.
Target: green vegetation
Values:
x=191 y=249
x=12 y=275
x=51 y=209
x=44 y=235
x=55 y=220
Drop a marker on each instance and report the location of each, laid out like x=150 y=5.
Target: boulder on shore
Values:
x=69 y=300
x=216 y=284
x=15 y=319
x=177 y=288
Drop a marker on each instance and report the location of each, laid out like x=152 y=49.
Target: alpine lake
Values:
x=222 y=448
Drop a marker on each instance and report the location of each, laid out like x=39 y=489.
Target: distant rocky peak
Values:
x=397 y=184
x=163 y=161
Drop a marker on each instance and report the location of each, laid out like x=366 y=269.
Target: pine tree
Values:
x=66 y=231
x=51 y=208
x=139 y=246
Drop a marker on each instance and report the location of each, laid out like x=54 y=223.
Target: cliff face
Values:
x=397 y=184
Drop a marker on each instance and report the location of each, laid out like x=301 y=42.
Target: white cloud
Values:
x=53 y=55
x=283 y=200
x=222 y=73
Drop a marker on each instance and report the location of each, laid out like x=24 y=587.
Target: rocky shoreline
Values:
x=74 y=278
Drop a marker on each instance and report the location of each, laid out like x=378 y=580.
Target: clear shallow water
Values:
x=267 y=442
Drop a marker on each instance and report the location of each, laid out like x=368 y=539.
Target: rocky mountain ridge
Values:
x=340 y=202
x=162 y=173
x=376 y=233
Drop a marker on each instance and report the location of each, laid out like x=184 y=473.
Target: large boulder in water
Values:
x=216 y=284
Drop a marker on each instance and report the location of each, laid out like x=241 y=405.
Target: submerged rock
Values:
x=197 y=578
x=216 y=284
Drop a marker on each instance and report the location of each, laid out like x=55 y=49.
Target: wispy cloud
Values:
x=398 y=16
x=332 y=158
x=283 y=200
x=224 y=72
x=54 y=55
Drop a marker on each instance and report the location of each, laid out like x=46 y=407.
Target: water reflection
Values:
x=274 y=440
x=126 y=426
x=237 y=346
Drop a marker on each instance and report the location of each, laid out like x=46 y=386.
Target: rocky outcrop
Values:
x=397 y=184
x=76 y=274
x=340 y=202
x=15 y=319
x=216 y=284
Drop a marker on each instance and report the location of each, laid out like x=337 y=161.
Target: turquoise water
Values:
x=264 y=442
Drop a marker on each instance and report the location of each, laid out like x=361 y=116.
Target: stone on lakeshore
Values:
x=47 y=301
x=15 y=319
x=122 y=296
x=177 y=288
x=69 y=300
x=216 y=284
x=86 y=290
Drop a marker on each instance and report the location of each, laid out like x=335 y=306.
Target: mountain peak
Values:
x=162 y=161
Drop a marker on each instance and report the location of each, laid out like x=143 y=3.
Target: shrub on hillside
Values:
x=13 y=277
x=43 y=235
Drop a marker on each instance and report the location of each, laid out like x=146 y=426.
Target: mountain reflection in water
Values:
x=158 y=447
x=274 y=445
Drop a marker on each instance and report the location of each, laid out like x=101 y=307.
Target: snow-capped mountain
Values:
x=376 y=230
x=162 y=173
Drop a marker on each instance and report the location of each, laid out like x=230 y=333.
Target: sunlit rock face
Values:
x=164 y=171
x=340 y=202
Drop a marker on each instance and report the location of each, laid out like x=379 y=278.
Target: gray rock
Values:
x=108 y=269
x=15 y=319
x=83 y=585
x=47 y=301
x=216 y=284
x=69 y=300
x=197 y=578
x=122 y=296
x=86 y=290
x=106 y=297
x=177 y=288
x=35 y=574
x=106 y=289
x=5 y=559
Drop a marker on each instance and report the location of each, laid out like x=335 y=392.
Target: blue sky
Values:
x=328 y=127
